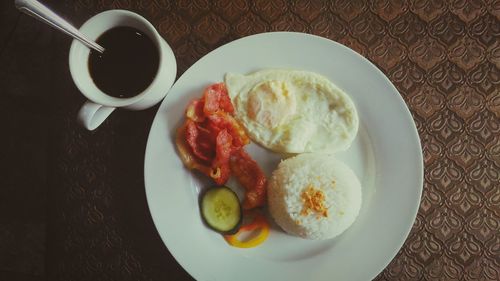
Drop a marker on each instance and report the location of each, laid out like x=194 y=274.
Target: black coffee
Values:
x=128 y=65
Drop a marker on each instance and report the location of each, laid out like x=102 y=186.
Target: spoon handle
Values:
x=42 y=13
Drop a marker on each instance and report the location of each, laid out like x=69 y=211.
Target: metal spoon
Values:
x=42 y=13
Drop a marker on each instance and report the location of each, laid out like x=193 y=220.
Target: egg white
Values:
x=292 y=111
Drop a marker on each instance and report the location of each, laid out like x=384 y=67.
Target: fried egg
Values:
x=291 y=111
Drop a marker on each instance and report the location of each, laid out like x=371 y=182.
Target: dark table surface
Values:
x=72 y=202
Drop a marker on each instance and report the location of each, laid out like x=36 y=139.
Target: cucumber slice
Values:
x=221 y=210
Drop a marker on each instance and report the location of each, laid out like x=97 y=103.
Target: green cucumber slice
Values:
x=221 y=210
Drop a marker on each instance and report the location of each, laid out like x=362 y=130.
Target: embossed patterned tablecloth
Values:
x=443 y=57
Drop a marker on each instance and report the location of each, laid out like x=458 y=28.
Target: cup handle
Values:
x=91 y=115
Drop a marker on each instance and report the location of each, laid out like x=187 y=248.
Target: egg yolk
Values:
x=270 y=103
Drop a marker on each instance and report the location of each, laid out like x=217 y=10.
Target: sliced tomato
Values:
x=213 y=142
x=186 y=155
x=194 y=111
x=216 y=98
x=251 y=177
x=220 y=165
x=200 y=140
x=222 y=121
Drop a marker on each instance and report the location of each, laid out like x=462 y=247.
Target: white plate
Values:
x=386 y=156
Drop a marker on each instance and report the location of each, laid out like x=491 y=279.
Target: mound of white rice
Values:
x=314 y=196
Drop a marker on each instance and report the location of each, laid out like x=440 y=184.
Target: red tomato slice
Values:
x=221 y=120
x=186 y=155
x=251 y=177
x=220 y=164
x=213 y=141
x=194 y=111
x=216 y=98
x=200 y=141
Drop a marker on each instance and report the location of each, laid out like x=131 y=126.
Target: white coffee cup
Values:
x=100 y=105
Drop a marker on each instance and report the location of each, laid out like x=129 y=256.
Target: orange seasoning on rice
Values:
x=313 y=200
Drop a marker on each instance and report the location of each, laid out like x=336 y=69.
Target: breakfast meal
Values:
x=293 y=111
x=311 y=195
x=314 y=196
